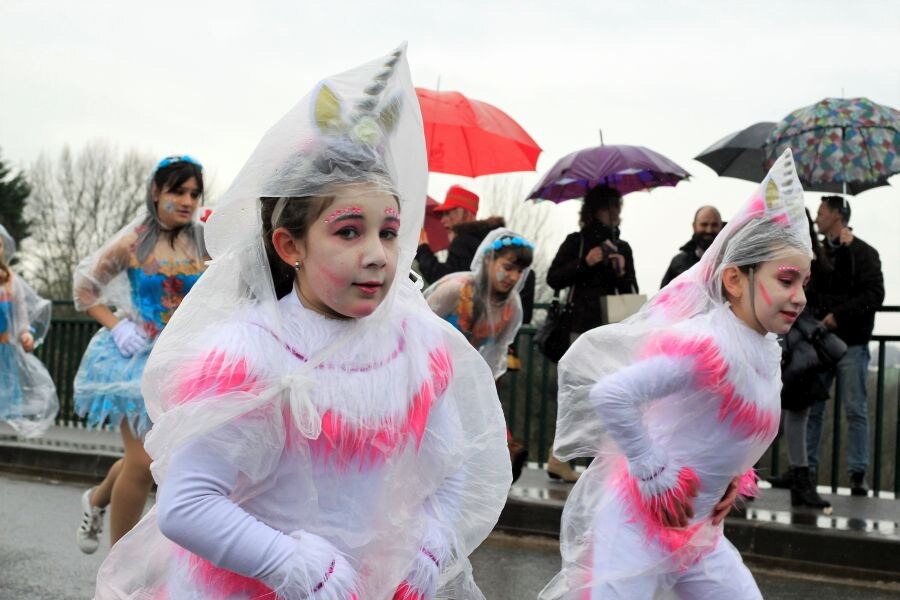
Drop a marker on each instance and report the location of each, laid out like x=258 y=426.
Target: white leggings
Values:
x=625 y=566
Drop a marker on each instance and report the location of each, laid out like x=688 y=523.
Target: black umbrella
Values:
x=740 y=154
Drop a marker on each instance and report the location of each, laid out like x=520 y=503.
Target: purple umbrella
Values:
x=625 y=168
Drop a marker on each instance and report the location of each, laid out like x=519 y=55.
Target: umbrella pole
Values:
x=600 y=131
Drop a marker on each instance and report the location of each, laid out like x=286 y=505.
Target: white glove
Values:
x=653 y=472
x=129 y=338
x=316 y=571
x=421 y=581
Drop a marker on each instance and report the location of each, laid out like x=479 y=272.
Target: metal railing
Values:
x=528 y=397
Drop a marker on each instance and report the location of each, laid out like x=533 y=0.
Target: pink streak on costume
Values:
x=649 y=511
x=214 y=375
x=711 y=373
x=222 y=583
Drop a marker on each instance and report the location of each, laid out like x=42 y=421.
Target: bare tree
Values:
x=77 y=203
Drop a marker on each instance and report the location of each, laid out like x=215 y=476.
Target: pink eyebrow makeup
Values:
x=392 y=212
x=343 y=213
x=791 y=270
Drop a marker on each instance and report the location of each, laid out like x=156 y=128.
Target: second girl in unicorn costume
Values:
x=331 y=438
x=674 y=403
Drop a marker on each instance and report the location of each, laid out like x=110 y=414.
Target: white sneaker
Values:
x=88 y=534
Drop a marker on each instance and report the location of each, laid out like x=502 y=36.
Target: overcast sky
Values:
x=208 y=78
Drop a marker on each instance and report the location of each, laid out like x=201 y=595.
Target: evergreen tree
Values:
x=14 y=189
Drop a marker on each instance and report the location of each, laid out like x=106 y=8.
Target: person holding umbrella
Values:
x=849 y=296
x=594 y=261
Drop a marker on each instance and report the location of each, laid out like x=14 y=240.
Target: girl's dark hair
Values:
x=297 y=215
x=522 y=256
x=168 y=178
x=598 y=197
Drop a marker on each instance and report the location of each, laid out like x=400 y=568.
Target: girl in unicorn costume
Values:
x=675 y=402
x=144 y=271
x=28 y=401
x=484 y=303
x=331 y=438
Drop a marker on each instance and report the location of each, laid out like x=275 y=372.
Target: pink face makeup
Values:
x=765 y=295
x=392 y=212
x=343 y=213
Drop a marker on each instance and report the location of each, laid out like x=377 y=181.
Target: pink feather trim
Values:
x=342 y=444
x=213 y=376
x=747 y=485
x=648 y=512
x=711 y=374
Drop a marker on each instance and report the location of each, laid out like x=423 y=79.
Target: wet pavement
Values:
x=40 y=560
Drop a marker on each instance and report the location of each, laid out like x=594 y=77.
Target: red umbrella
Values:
x=434 y=229
x=472 y=138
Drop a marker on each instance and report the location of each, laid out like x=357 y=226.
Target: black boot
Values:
x=803 y=492
x=858 y=485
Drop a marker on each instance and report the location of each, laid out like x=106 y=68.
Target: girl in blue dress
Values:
x=28 y=400
x=131 y=286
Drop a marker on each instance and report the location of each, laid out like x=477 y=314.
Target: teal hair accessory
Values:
x=506 y=242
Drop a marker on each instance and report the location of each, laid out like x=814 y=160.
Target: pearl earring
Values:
x=298 y=265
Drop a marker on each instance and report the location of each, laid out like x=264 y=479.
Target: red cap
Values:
x=458 y=197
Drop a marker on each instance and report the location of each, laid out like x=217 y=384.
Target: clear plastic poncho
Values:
x=373 y=449
x=683 y=394
x=466 y=301
x=28 y=401
x=143 y=276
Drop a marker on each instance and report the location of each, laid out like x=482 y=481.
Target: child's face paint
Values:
x=175 y=207
x=779 y=287
x=504 y=274
x=350 y=256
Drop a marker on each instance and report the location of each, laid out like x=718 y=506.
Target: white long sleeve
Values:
x=195 y=512
x=618 y=399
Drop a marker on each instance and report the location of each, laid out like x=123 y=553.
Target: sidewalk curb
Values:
x=58 y=462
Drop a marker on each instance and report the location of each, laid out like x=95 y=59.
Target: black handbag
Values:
x=809 y=349
x=555 y=335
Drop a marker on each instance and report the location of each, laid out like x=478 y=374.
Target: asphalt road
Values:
x=40 y=561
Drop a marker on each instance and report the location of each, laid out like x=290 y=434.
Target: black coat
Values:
x=684 y=260
x=852 y=291
x=468 y=236
x=569 y=269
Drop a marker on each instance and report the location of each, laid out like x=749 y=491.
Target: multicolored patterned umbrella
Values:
x=625 y=168
x=840 y=144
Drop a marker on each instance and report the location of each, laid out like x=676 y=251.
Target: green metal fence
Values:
x=528 y=397
x=61 y=352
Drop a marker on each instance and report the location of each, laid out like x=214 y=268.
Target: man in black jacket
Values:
x=847 y=301
x=707 y=225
